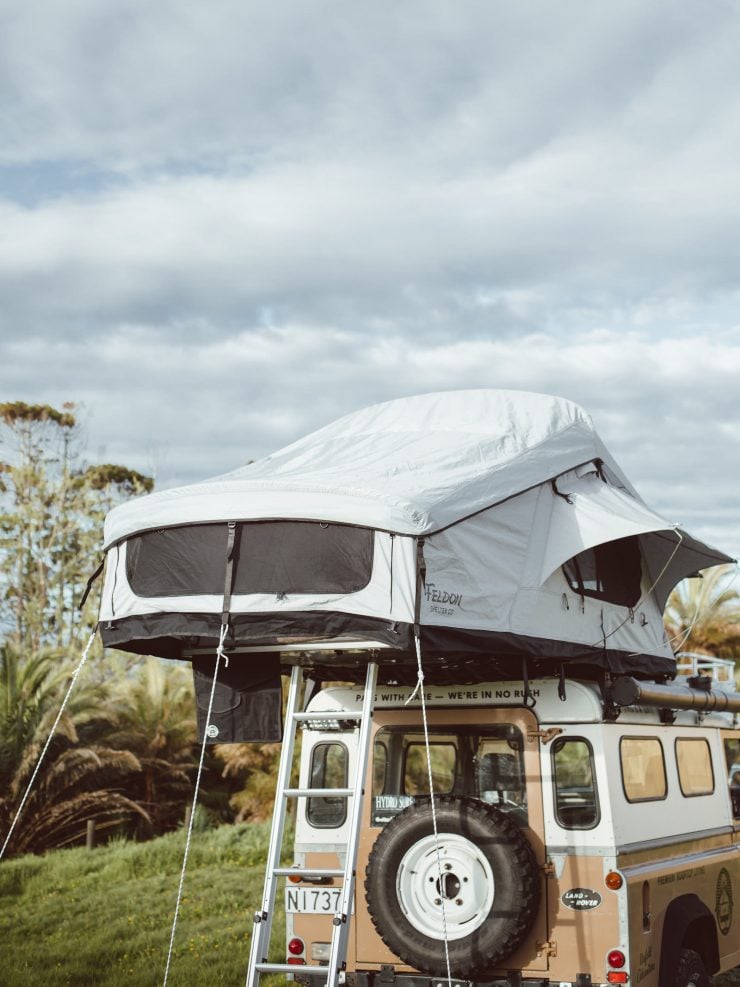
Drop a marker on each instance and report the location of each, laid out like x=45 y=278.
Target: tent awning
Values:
x=587 y=512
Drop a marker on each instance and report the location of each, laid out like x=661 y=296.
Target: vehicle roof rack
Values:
x=692 y=664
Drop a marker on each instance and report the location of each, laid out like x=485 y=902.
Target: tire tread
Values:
x=378 y=893
x=690 y=963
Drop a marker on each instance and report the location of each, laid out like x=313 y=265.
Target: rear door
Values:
x=491 y=754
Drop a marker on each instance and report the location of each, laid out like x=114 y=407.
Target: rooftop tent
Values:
x=497 y=520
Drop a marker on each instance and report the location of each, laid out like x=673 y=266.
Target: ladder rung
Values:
x=336 y=714
x=343 y=881
x=307 y=872
x=290 y=968
x=318 y=793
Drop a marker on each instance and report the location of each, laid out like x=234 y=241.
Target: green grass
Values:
x=104 y=917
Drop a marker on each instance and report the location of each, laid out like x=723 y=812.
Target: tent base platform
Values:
x=338 y=645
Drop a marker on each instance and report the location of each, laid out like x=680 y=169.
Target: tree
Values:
x=51 y=511
x=37 y=442
x=703 y=614
x=253 y=768
x=76 y=783
x=153 y=716
x=52 y=506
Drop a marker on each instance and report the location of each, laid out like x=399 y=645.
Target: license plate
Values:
x=314 y=901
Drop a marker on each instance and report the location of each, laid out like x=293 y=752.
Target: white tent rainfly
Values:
x=495 y=523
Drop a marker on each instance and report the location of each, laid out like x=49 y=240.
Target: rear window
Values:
x=280 y=557
x=483 y=762
x=443 y=761
x=610 y=572
x=643 y=769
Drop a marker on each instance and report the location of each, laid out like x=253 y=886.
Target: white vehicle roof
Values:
x=582 y=704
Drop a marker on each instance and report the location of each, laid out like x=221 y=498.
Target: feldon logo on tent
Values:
x=442 y=600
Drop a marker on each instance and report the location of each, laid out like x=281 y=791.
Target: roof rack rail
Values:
x=721 y=671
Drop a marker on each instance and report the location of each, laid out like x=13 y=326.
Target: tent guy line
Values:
x=49 y=739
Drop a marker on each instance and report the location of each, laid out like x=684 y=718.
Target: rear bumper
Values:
x=389 y=978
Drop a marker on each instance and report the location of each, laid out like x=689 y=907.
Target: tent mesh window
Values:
x=279 y=557
x=610 y=572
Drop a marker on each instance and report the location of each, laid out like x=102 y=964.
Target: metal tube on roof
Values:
x=627 y=691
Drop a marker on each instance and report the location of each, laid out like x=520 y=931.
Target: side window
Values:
x=328 y=770
x=443 y=758
x=609 y=572
x=694 y=761
x=643 y=769
x=732 y=757
x=576 y=798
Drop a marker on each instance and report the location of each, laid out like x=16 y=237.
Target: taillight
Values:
x=296 y=961
x=296 y=947
x=618 y=977
x=616 y=958
x=614 y=880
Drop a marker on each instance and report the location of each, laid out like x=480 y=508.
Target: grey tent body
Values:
x=495 y=521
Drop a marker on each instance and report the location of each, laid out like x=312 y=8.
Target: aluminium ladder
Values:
x=258 y=963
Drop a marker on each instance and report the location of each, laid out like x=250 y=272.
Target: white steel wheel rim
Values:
x=465 y=893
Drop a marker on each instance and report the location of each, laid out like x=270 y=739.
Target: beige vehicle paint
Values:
x=665 y=850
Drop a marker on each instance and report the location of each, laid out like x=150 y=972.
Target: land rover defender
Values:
x=578 y=842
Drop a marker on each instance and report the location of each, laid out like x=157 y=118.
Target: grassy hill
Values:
x=104 y=917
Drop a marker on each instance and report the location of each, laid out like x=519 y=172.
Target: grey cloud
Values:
x=370 y=164
x=317 y=242
x=136 y=84
x=225 y=225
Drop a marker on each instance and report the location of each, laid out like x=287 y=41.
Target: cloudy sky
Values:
x=225 y=224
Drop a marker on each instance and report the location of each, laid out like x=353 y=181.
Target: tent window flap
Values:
x=610 y=572
x=278 y=557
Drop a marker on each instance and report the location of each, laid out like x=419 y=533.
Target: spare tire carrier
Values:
x=477 y=907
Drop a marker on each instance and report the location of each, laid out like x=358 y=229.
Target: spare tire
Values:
x=485 y=901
